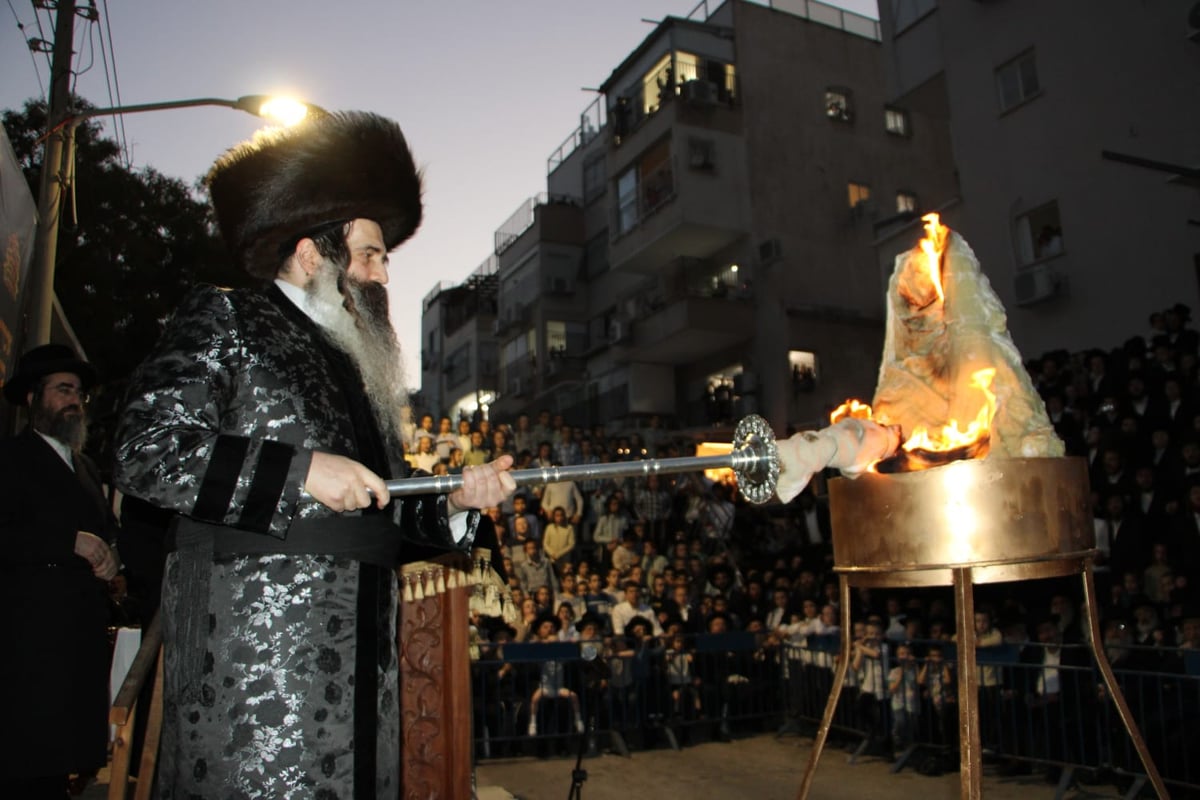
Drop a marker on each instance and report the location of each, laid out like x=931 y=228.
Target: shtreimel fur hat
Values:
x=287 y=183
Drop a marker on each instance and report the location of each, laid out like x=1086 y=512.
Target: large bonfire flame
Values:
x=951 y=377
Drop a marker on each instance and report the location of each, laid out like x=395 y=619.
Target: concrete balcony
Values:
x=692 y=203
x=539 y=220
x=690 y=198
x=686 y=328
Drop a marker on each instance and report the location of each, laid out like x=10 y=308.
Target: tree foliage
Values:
x=138 y=240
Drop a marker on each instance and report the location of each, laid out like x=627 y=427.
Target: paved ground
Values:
x=759 y=767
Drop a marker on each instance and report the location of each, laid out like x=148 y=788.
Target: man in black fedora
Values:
x=267 y=419
x=55 y=560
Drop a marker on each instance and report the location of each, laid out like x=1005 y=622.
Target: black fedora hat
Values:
x=44 y=360
x=590 y=618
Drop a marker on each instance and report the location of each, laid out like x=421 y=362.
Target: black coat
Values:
x=56 y=668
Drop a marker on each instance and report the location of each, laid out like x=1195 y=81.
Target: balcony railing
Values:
x=523 y=218
x=591 y=122
x=831 y=16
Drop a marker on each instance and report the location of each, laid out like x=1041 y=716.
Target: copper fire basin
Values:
x=976 y=513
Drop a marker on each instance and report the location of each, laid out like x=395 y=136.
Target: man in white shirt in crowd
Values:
x=633 y=606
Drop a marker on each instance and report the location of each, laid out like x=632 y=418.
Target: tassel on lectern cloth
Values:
x=487 y=593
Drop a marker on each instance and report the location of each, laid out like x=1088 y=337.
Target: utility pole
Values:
x=45 y=249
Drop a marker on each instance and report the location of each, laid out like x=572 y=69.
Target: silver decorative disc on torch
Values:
x=755 y=459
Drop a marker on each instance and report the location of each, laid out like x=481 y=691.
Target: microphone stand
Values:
x=579 y=774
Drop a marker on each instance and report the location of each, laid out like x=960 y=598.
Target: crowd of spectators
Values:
x=652 y=561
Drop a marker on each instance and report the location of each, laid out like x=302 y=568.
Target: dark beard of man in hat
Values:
x=56 y=525
x=266 y=420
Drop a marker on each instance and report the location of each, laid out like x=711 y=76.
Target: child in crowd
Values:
x=684 y=683
x=937 y=681
x=904 y=688
x=553 y=678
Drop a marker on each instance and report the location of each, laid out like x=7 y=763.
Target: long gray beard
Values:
x=356 y=316
x=70 y=429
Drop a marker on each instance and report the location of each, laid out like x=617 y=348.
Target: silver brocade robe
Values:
x=221 y=424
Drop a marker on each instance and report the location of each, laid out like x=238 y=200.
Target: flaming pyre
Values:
x=951 y=377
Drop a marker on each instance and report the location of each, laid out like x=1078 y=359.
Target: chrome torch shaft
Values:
x=754 y=459
x=442 y=484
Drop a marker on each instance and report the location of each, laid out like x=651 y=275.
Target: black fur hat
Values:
x=287 y=183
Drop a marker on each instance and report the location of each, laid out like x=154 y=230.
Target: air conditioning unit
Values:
x=1035 y=284
x=700 y=93
x=769 y=251
x=514 y=387
x=619 y=330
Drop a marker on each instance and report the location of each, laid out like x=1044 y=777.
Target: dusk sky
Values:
x=485 y=92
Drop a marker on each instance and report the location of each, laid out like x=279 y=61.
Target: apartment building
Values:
x=1075 y=129
x=706 y=245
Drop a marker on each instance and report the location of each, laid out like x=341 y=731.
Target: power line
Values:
x=30 y=46
x=119 y=119
x=78 y=71
x=42 y=33
x=95 y=18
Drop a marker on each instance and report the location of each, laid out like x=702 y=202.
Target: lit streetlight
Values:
x=58 y=167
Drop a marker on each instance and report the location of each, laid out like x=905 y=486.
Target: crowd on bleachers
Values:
x=649 y=562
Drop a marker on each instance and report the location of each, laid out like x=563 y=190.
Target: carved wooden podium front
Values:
x=435 y=697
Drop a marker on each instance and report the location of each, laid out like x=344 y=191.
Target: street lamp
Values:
x=56 y=171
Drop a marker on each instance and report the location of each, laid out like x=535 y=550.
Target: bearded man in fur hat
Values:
x=266 y=418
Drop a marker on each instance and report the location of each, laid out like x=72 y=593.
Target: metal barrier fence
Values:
x=1034 y=713
x=537 y=698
